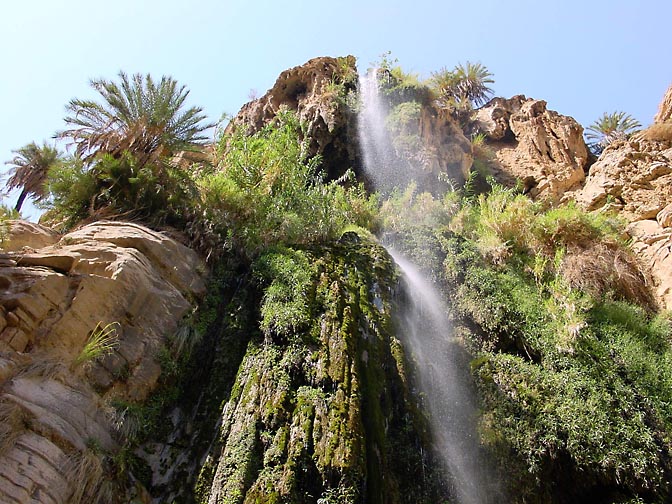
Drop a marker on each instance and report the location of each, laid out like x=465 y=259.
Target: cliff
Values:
x=132 y=370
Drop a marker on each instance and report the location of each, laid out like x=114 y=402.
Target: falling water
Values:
x=442 y=369
x=381 y=164
x=442 y=365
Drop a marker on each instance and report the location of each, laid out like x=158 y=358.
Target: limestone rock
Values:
x=531 y=143
x=446 y=151
x=24 y=234
x=653 y=244
x=316 y=91
x=52 y=410
x=665 y=108
x=635 y=174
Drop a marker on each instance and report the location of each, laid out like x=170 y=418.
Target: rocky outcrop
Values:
x=633 y=176
x=665 y=108
x=23 y=234
x=321 y=410
x=57 y=425
x=542 y=148
x=317 y=92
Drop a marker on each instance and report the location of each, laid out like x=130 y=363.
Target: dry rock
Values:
x=52 y=296
x=315 y=91
x=665 y=108
x=544 y=149
x=636 y=174
x=24 y=234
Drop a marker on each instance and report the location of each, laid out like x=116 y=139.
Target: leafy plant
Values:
x=268 y=192
x=463 y=86
x=285 y=306
x=609 y=128
x=137 y=115
x=102 y=341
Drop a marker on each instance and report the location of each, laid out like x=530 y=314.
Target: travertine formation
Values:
x=55 y=413
x=316 y=91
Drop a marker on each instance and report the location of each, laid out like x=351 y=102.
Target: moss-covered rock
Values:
x=319 y=411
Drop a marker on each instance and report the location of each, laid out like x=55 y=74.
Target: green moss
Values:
x=320 y=398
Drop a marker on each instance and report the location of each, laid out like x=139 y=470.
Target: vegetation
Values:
x=570 y=360
x=102 y=341
x=609 y=128
x=464 y=86
x=293 y=356
x=29 y=170
x=267 y=192
x=138 y=116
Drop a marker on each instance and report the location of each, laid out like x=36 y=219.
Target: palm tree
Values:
x=465 y=85
x=29 y=170
x=135 y=115
x=608 y=128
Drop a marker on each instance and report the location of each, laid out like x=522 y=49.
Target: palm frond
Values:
x=138 y=115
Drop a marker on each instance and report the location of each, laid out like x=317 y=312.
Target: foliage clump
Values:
x=267 y=191
x=569 y=358
x=608 y=128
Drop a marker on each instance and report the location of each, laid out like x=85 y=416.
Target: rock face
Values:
x=320 y=412
x=55 y=412
x=317 y=91
x=544 y=149
x=634 y=176
x=665 y=108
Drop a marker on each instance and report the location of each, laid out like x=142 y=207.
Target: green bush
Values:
x=287 y=275
x=572 y=368
x=268 y=192
x=72 y=191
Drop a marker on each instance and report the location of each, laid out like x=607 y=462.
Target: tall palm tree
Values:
x=465 y=85
x=608 y=128
x=29 y=170
x=137 y=115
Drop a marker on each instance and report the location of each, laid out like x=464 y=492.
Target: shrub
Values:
x=268 y=192
x=72 y=192
x=285 y=307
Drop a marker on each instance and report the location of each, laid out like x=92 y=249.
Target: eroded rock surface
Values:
x=633 y=175
x=665 y=108
x=316 y=91
x=55 y=415
x=542 y=148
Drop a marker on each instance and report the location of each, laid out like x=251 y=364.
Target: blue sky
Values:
x=584 y=58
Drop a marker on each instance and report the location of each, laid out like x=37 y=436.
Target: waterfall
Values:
x=442 y=364
x=381 y=164
x=442 y=370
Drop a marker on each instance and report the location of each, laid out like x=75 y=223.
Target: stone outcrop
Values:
x=542 y=148
x=316 y=91
x=55 y=413
x=633 y=176
x=446 y=149
x=23 y=234
x=665 y=108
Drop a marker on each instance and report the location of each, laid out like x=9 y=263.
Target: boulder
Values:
x=634 y=174
x=53 y=404
x=542 y=148
x=665 y=108
x=653 y=244
x=316 y=91
x=23 y=234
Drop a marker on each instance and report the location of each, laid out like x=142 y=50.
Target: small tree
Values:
x=29 y=170
x=137 y=115
x=608 y=128
x=463 y=86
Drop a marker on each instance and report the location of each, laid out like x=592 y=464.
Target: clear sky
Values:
x=583 y=57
